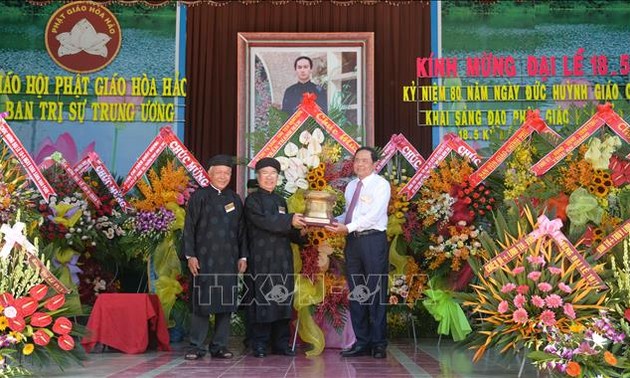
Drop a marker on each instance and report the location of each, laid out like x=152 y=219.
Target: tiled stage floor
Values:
x=403 y=360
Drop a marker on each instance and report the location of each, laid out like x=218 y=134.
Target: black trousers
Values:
x=275 y=332
x=199 y=330
x=367 y=266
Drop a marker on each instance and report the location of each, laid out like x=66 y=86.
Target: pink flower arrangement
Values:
x=534 y=276
x=520 y=316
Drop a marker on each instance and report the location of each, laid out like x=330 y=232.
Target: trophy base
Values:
x=311 y=221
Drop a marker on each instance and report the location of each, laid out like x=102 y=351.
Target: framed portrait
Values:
x=275 y=69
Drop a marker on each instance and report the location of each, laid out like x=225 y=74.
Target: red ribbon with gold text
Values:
x=26 y=161
x=398 y=143
x=604 y=114
x=93 y=160
x=165 y=139
x=614 y=238
x=533 y=123
x=546 y=228
x=307 y=108
x=85 y=188
x=451 y=142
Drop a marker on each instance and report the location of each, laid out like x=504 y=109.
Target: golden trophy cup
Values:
x=319 y=207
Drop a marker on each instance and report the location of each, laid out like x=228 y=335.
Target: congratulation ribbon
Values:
x=605 y=115
x=546 y=228
x=25 y=159
x=15 y=235
x=613 y=239
x=165 y=139
x=85 y=188
x=398 y=143
x=533 y=123
x=451 y=142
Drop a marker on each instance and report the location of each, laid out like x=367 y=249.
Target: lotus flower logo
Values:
x=83 y=37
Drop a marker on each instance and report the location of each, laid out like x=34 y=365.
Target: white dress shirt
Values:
x=370 y=212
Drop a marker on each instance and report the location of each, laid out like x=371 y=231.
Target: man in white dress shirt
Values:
x=366 y=254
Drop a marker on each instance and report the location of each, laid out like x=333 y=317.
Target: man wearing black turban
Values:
x=216 y=251
x=270 y=231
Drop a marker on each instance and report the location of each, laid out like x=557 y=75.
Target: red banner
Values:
x=615 y=237
x=25 y=159
x=143 y=163
x=94 y=160
x=15 y=235
x=533 y=123
x=546 y=228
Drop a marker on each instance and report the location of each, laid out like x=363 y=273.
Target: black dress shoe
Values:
x=356 y=351
x=284 y=352
x=259 y=353
x=379 y=352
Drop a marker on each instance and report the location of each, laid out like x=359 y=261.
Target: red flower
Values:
x=558 y=204
x=66 y=342
x=6 y=299
x=626 y=314
x=38 y=291
x=62 y=326
x=41 y=338
x=26 y=306
x=54 y=303
x=17 y=324
x=41 y=319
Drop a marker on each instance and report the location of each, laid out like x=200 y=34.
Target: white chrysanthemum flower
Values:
x=290 y=149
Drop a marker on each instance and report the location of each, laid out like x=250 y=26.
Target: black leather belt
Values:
x=356 y=234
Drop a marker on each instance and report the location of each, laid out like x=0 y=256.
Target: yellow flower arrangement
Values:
x=448 y=173
x=601 y=184
x=517 y=175
x=578 y=172
x=331 y=151
x=315 y=178
x=162 y=188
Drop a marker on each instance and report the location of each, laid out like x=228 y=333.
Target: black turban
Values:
x=267 y=162
x=225 y=160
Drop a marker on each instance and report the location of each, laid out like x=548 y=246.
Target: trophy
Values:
x=319 y=207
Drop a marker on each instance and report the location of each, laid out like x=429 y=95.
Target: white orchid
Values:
x=290 y=149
